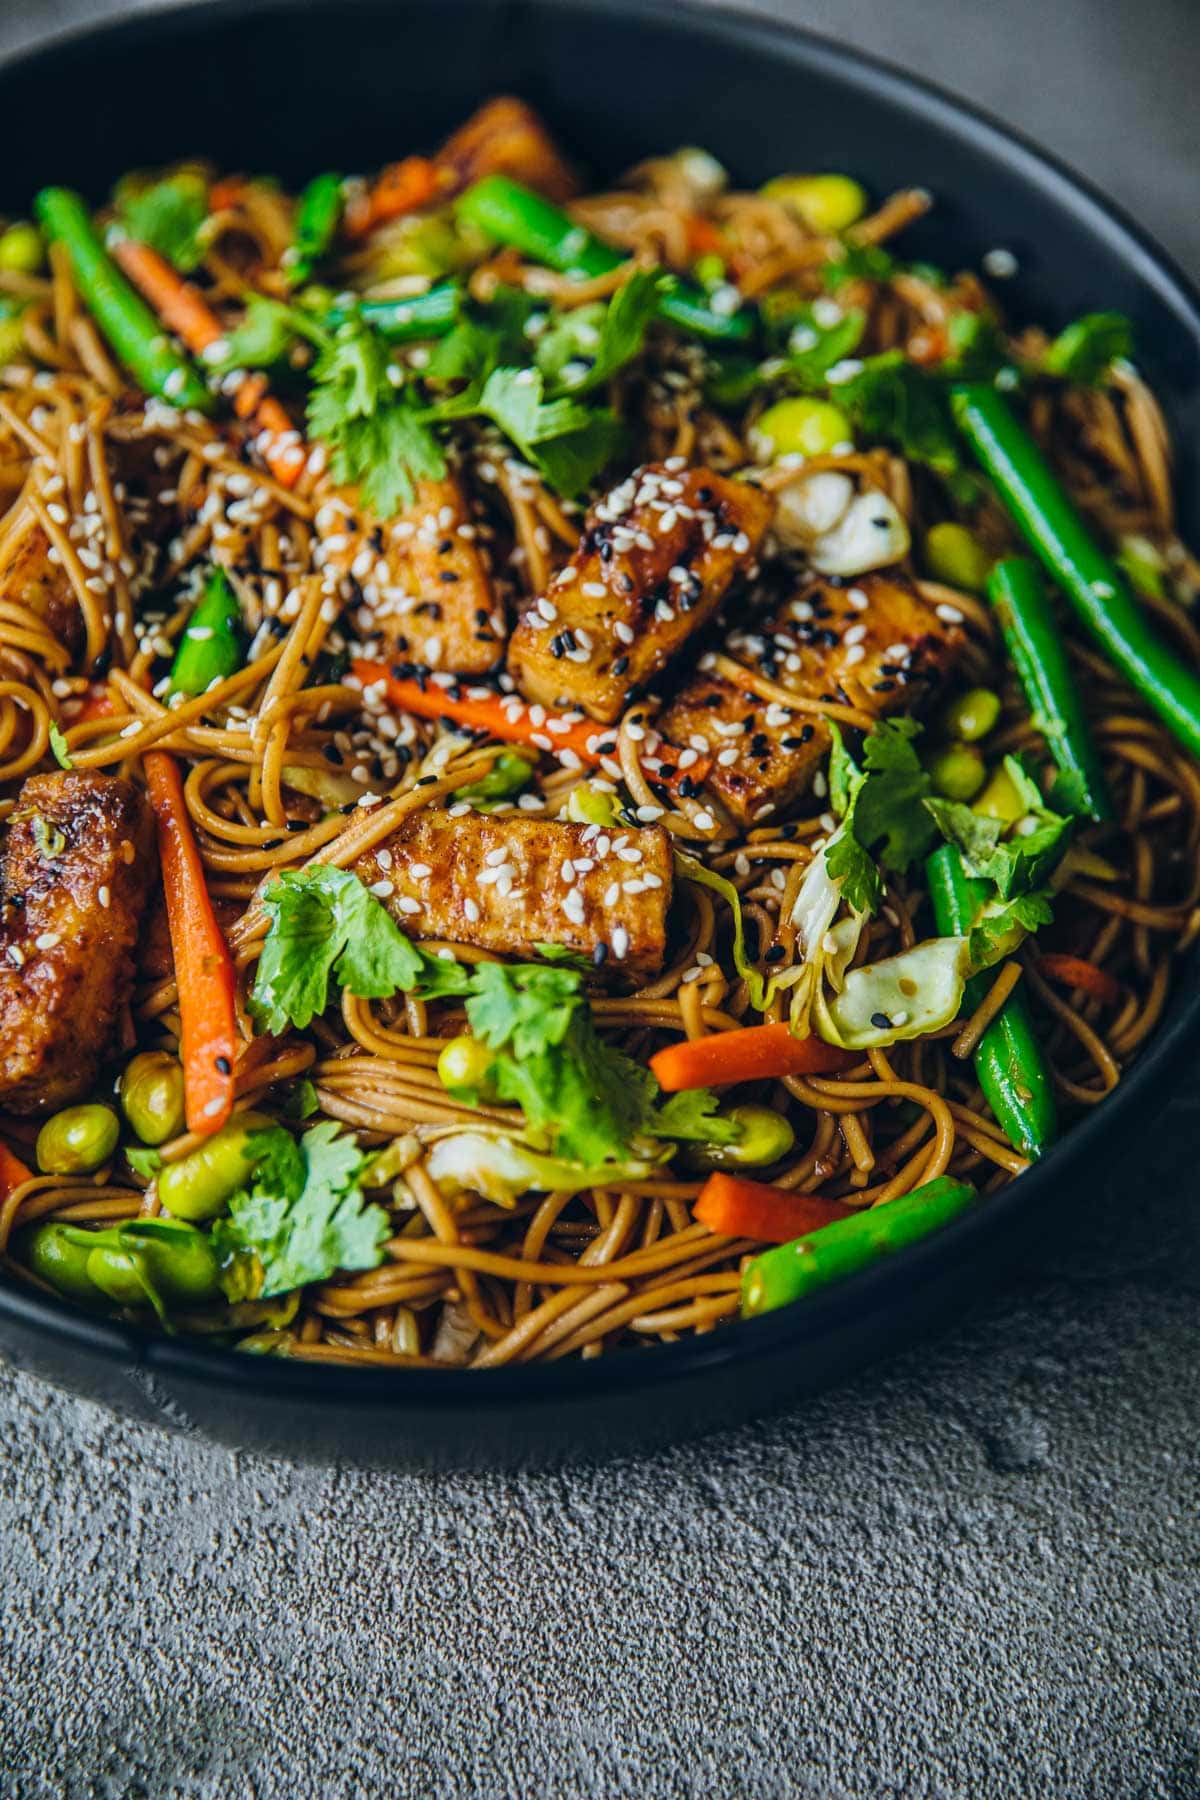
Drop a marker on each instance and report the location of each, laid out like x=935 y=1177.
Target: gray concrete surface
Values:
x=972 y=1573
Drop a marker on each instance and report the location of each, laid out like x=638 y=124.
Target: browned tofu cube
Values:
x=421 y=582
x=509 y=883
x=77 y=866
x=657 y=557
x=874 y=644
x=763 y=755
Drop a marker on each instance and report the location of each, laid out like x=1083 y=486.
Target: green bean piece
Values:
x=154 y=1262
x=127 y=322
x=1009 y=1062
x=763 y=1137
x=318 y=216
x=1090 y=580
x=77 y=1141
x=1022 y=606
x=778 y=1277
x=200 y=1184
x=52 y=1251
x=151 y=1093
x=426 y=315
x=212 y=645
x=512 y=214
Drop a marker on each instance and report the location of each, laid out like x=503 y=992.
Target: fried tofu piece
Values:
x=509 y=883
x=421 y=582
x=506 y=137
x=78 y=863
x=656 y=559
x=873 y=643
x=28 y=577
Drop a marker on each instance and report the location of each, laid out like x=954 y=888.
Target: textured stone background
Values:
x=974 y=1572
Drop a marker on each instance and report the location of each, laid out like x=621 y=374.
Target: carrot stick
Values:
x=503 y=716
x=400 y=188
x=753 y=1053
x=12 y=1172
x=733 y=1207
x=184 y=310
x=1077 y=972
x=203 y=966
x=512 y=720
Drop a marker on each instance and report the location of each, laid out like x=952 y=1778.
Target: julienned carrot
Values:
x=511 y=719
x=184 y=311
x=97 y=705
x=12 y=1172
x=753 y=1053
x=403 y=187
x=1077 y=972
x=503 y=716
x=204 y=971
x=736 y=1208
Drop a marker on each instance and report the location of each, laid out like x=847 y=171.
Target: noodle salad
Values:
x=572 y=764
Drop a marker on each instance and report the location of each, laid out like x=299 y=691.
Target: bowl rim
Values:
x=1142 y=1089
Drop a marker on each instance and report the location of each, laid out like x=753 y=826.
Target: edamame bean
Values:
x=151 y=1093
x=199 y=1185
x=958 y=772
x=800 y=426
x=78 y=1140
x=763 y=1137
x=21 y=249
x=176 y=1260
x=972 y=715
x=826 y=203
x=53 y=1251
x=954 y=555
x=465 y=1062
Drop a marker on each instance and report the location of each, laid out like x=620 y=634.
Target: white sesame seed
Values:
x=418 y=871
x=950 y=614
x=471 y=908
x=47 y=940
x=105 y=895
x=704 y=821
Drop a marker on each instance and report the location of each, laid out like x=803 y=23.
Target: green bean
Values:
x=778 y=1277
x=1021 y=605
x=78 y=1140
x=199 y=1184
x=1009 y=1063
x=512 y=214
x=151 y=1092
x=1090 y=580
x=212 y=644
x=426 y=315
x=127 y=322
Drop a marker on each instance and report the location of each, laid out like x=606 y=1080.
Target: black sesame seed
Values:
x=600 y=955
x=775 y=954
x=297 y=825
x=426 y=780
x=332 y=754
x=447 y=575
x=620 y=665
x=881 y=1021
x=224 y=1066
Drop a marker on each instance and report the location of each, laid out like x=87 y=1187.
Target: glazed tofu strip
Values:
x=507 y=884
x=420 y=582
x=77 y=866
x=656 y=559
x=873 y=643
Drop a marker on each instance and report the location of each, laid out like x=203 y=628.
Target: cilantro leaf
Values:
x=693 y=1116
x=891 y=398
x=882 y=810
x=588 y=345
x=1002 y=925
x=1018 y=863
x=266 y=333
x=379 y=436
x=858 y=262
x=325 y=925
x=568 y=443
x=58 y=745
x=143 y=1161
x=167 y=217
x=977 y=348
x=303 y=1218
x=486 y=338
x=1086 y=350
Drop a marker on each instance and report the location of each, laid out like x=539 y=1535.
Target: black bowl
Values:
x=293 y=87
